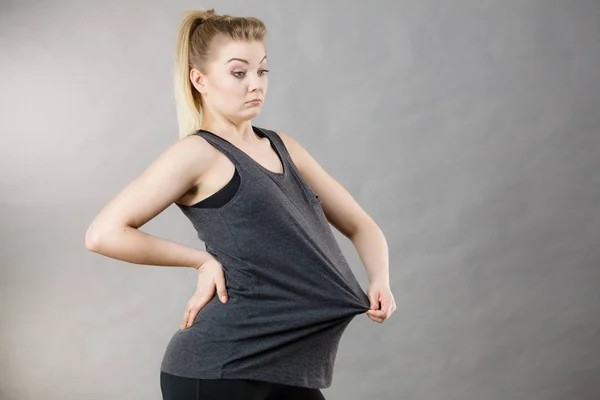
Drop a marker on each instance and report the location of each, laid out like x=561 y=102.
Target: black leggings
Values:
x=180 y=388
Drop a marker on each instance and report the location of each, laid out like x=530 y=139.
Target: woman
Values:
x=251 y=194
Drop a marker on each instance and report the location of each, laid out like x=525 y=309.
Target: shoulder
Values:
x=297 y=152
x=292 y=145
x=192 y=153
x=195 y=144
x=284 y=136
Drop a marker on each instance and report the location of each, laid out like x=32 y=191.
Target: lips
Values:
x=255 y=101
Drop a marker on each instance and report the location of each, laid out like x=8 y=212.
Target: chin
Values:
x=250 y=114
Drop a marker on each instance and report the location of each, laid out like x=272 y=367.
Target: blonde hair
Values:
x=197 y=31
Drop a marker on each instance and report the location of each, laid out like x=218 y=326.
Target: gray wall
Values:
x=469 y=130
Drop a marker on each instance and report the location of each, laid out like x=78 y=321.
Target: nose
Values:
x=254 y=83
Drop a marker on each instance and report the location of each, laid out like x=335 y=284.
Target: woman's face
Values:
x=235 y=76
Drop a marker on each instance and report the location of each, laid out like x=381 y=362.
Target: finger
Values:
x=386 y=304
x=373 y=299
x=377 y=313
x=380 y=320
x=197 y=304
x=221 y=289
x=186 y=315
x=192 y=316
x=195 y=309
x=392 y=308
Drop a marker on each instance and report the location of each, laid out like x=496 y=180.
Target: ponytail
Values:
x=187 y=99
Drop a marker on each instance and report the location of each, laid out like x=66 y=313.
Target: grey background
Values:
x=469 y=130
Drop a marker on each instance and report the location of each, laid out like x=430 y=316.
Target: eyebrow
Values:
x=242 y=60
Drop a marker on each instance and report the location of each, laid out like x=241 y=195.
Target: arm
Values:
x=344 y=213
x=114 y=232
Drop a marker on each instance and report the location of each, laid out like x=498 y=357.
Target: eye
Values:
x=240 y=74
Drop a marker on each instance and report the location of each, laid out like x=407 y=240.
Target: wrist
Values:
x=380 y=280
x=203 y=257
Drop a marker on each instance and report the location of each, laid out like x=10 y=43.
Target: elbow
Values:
x=96 y=235
x=98 y=238
x=92 y=239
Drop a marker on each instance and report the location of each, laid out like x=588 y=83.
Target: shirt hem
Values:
x=254 y=374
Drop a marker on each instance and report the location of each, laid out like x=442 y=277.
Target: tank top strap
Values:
x=239 y=158
x=223 y=146
x=277 y=141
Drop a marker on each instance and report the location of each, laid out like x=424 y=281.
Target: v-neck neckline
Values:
x=274 y=146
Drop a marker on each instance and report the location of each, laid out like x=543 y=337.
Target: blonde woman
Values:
x=262 y=206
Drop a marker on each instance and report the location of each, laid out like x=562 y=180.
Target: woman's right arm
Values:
x=115 y=230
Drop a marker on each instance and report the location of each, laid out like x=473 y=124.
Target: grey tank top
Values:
x=291 y=291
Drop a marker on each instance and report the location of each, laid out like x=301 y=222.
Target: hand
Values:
x=382 y=301
x=210 y=275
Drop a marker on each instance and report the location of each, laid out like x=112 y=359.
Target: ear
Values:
x=198 y=80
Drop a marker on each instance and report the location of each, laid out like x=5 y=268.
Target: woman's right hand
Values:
x=210 y=276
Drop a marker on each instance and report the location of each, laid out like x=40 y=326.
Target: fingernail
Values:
x=223 y=299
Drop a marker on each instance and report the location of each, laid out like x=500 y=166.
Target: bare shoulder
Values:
x=184 y=163
x=195 y=151
x=287 y=139
x=187 y=158
x=297 y=151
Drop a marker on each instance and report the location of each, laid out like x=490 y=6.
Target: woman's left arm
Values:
x=348 y=217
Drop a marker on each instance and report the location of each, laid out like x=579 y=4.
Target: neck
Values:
x=234 y=131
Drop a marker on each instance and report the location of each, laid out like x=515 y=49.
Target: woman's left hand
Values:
x=382 y=301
